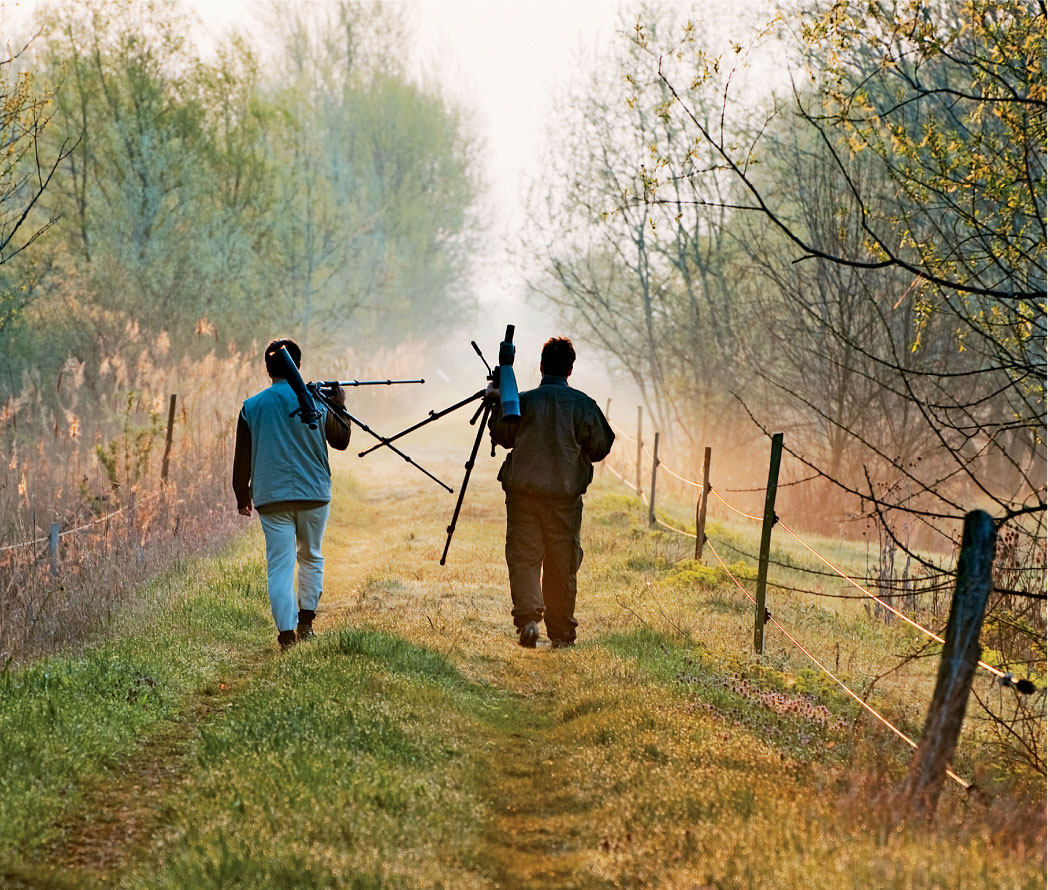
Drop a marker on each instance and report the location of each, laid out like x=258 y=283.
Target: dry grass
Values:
x=641 y=759
x=86 y=453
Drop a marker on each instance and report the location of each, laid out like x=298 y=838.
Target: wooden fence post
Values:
x=167 y=442
x=52 y=548
x=640 y=446
x=654 y=473
x=700 y=507
x=760 y=611
x=960 y=656
x=131 y=518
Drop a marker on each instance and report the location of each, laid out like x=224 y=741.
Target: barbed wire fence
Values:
x=56 y=586
x=929 y=767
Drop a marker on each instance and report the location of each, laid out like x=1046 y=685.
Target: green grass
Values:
x=68 y=719
x=343 y=762
x=414 y=745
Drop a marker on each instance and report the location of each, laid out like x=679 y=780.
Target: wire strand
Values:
x=620 y=432
x=964 y=784
x=662 y=465
x=78 y=528
x=736 y=509
x=780 y=485
x=629 y=485
x=870 y=580
x=995 y=671
x=690 y=482
x=672 y=528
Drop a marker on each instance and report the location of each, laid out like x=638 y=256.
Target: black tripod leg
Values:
x=433 y=415
x=465 y=479
x=344 y=415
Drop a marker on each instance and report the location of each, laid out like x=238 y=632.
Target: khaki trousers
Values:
x=543 y=553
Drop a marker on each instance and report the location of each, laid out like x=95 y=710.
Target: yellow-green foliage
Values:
x=694 y=575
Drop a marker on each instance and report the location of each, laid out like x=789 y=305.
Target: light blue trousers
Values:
x=290 y=532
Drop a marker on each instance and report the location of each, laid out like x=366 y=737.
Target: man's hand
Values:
x=245 y=510
x=492 y=391
x=336 y=434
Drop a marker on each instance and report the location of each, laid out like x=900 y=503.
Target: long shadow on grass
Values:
x=395 y=654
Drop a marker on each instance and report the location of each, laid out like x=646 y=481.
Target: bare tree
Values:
x=652 y=285
x=948 y=108
x=26 y=171
x=920 y=280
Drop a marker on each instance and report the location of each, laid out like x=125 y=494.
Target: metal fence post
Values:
x=654 y=472
x=760 y=610
x=52 y=548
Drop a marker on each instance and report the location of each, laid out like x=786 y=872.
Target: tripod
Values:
x=502 y=374
x=310 y=393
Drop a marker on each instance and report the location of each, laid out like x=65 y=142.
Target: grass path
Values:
x=416 y=746
x=123 y=808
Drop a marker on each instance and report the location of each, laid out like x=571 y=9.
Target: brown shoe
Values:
x=286 y=639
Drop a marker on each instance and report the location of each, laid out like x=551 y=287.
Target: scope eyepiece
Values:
x=507 y=351
x=506 y=380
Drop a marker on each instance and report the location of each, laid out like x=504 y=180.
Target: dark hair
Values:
x=273 y=348
x=558 y=357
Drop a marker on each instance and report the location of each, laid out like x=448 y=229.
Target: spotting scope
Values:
x=505 y=380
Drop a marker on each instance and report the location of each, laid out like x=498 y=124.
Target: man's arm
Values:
x=336 y=434
x=596 y=435
x=502 y=432
x=242 y=466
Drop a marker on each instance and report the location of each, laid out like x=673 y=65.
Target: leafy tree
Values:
x=145 y=237
x=373 y=215
x=330 y=200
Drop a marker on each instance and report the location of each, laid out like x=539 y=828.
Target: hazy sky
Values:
x=498 y=57
x=502 y=60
